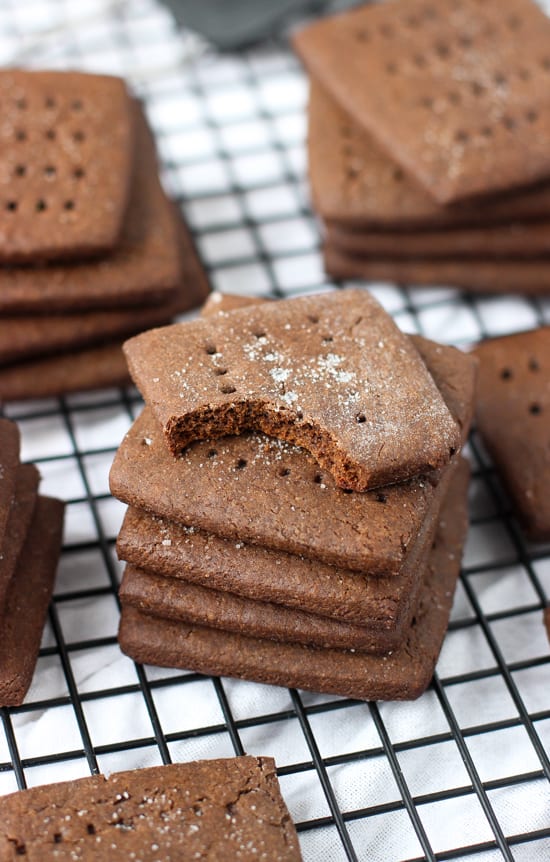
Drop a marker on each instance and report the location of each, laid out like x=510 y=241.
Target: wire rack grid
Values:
x=462 y=773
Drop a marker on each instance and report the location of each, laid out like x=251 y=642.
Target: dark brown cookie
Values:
x=27 y=601
x=530 y=277
x=143 y=269
x=270 y=489
x=380 y=603
x=22 y=338
x=19 y=521
x=354 y=183
x=473 y=114
x=513 y=417
x=209 y=809
x=402 y=675
x=511 y=242
x=77 y=371
x=331 y=373
x=9 y=464
x=67 y=151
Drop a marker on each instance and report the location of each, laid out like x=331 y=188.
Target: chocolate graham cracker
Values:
x=547 y=621
x=531 y=277
x=473 y=112
x=27 y=601
x=509 y=242
x=67 y=153
x=271 y=488
x=209 y=809
x=19 y=521
x=404 y=674
x=354 y=183
x=513 y=410
x=143 y=269
x=331 y=373
x=9 y=464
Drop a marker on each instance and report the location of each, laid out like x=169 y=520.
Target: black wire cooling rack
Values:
x=462 y=773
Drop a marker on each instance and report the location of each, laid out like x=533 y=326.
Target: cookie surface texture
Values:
x=513 y=417
x=466 y=125
x=67 y=154
x=331 y=373
x=210 y=809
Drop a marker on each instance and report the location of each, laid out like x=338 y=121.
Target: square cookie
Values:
x=451 y=94
x=67 y=143
x=331 y=373
x=209 y=809
x=513 y=417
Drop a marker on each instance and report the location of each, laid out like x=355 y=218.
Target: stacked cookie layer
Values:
x=248 y=558
x=91 y=250
x=428 y=142
x=30 y=541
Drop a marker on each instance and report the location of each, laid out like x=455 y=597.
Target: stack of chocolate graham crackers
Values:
x=429 y=142
x=297 y=501
x=91 y=249
x=30 y=541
